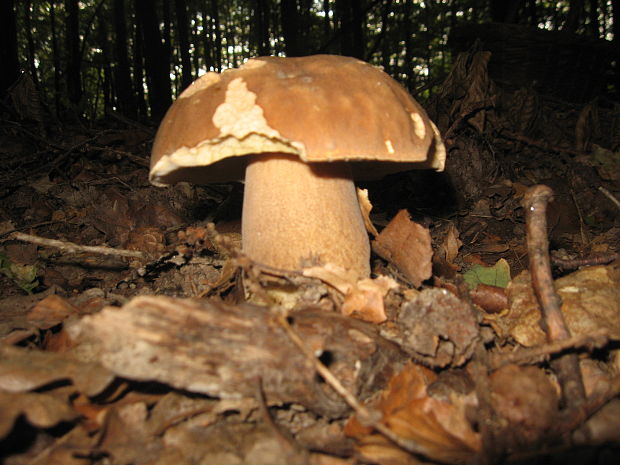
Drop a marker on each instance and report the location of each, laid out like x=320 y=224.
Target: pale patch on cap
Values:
x=418 y=125
x=239 y=115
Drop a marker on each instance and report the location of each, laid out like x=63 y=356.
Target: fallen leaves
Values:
x=439 y=426
x=23 y=370
x=526 y=399
x=436 y=327
x=407 y=245
x=590 y=301
x=363 y=299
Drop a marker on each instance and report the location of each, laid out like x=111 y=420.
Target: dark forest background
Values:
x=86 y=59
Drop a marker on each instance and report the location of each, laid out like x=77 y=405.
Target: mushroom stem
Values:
x=297 y=214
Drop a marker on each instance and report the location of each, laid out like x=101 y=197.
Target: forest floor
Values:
x=130 y=340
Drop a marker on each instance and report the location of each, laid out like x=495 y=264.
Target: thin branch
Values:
x=567 y=366
x=610 y=196
x=71 y=247
x=543 y=352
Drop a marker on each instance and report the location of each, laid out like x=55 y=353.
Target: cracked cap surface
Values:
x=321 y=108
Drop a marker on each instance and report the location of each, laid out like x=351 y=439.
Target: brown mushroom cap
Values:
x=320 y=108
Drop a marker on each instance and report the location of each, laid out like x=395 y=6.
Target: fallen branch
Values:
x=610 y=196
x=573 y=264
x=543 y=352
x=566 y=366
x=71 y=247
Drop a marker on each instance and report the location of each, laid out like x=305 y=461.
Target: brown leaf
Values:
x=436 y=327
x=407 y=245
x=41 y=410
x=24 y=370
x=439 y=426
x=446 y=253
x=365 y=299
x=127 y=437
x=603 y=427
x=590 y=302
x=366 y=207
x=51 y=311
x=526 y=399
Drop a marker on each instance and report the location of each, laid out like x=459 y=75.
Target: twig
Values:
x=468 y=112
x=29 y=226
x=609 y=195
x=567 y=366
x=366 y=416
x=540 y=144
x=540 y=353
x=71 y=247
x=584 y=239
x=573 y=264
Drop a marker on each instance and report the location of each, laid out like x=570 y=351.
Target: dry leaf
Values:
x=24 y=370
x=340 y=279
x=365 y=299
x=41 y=410
x=407 y=245
x=440 y=427
x=590 y=302
x=526 y=399
x=436 y=327
x=447 y=252
x=366 y=208
x=51 y=311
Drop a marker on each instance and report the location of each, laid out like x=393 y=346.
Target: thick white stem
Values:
x=297 y=214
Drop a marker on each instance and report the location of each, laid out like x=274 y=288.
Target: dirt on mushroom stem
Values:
x=296 y=213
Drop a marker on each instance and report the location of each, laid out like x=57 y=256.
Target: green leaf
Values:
x=25 y=276
x=496 y=275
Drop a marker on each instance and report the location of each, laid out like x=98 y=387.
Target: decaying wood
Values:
x=223 y=350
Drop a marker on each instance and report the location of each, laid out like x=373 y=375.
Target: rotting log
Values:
x=223 y=350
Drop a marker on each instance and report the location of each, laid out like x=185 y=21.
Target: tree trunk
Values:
x=615 y=21
x=125 y=96
x=56 y=59
x=327 y=27
x=505 y=11
x=409 y=71
x=105 y=67
x=30 y=42
x=183 y=34
x=208 y=39
x=138 y=70
x=291 y=28
x=575 y=13
x=74 y=81
x=217 y=35
x=350 y=15
x=385 y=45
x=8 y=46
x=156 y=62
x=593 y=25
x=261 y=26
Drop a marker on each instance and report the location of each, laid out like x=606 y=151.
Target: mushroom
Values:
x=298 y=130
